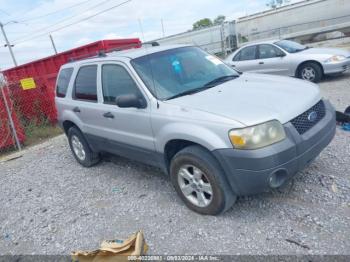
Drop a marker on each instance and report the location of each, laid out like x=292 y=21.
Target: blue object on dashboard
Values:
x=346 y=127
x=176 y=65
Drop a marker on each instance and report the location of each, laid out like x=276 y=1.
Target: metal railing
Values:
x=298 y=30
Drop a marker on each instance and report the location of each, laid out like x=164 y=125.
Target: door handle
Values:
x=261 y=63
x=76 y=109
x=108 y=115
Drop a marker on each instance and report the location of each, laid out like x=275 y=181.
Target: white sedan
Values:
x=285 y=57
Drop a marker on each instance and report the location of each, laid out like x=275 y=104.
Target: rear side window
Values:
x=248 y=53
x=237 y=57
x=85 y=86
x=116 y=81
x=63 y=81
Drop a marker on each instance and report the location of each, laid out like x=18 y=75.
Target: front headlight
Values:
x=258 y=136
x=335 y=58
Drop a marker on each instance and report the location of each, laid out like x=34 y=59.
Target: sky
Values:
x=36 y=19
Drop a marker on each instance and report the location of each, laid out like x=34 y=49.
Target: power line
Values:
x=54 y=12
x=76 y=22
x=3 y=11
x=21 y=39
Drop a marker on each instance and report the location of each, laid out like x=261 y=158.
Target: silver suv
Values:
x=216 y=132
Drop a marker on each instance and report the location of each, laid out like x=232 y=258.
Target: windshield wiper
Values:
x=188 y=92
x=219 y=80
x=208 y=85
x=299 y=50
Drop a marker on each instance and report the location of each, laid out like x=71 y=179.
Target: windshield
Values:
x=181 y=71
x=290 y=46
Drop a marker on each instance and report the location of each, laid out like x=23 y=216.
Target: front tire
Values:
x=81 y=149
x=310 y=72
x=200 y=182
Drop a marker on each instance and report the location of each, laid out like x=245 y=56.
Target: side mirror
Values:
x=281 y=54
x=131 y=100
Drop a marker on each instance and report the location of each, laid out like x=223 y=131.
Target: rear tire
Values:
x=310 y=71
x=81 y=149
x=200 y=181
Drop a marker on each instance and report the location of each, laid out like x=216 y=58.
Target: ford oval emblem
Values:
x=312 y=116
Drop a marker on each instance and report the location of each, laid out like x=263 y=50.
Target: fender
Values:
x=194 y=133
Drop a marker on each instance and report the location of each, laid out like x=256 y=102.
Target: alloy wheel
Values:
x=78 y=148
x=308 y=73
x=195 y=185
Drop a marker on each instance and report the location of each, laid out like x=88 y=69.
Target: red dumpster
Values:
x=36 y=102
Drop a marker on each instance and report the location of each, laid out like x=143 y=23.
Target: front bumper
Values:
x=335 y=68
x=254 y=171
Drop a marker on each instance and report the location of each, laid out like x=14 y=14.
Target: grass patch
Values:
x=38 y=133
x=35 y=134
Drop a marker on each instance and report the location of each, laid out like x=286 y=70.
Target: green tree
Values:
x=219 y=19
x=205 y=22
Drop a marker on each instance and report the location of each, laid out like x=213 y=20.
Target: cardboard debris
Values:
x=114 y=250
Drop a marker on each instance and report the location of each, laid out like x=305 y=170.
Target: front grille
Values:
x=308 y=119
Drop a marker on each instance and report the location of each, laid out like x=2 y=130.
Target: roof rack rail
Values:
x=121 y=48
x=103 y=53
x=99 y=53
x=153 y=43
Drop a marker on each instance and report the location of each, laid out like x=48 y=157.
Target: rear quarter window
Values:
x=63 y=82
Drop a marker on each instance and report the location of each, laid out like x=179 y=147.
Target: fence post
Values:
x=223 y=39
x=12 y=125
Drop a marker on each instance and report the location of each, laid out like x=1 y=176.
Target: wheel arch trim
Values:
x=296 y=73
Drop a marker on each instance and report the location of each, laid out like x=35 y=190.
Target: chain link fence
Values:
x=27 y=116
x=217 y=39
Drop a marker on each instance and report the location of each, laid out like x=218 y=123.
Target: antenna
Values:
x=141 y=29
x=149 y=62
x=163 y=31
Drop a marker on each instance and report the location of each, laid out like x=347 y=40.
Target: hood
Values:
x=254 y=98
x=326 y=51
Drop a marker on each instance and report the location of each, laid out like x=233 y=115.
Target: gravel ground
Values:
x=49 y=204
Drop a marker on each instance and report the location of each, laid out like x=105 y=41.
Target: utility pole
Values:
x=8 y=43
x=53 y=44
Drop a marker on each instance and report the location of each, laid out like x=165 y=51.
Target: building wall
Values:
x=292 y=19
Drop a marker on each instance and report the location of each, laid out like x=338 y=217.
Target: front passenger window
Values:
x=117 y=81
x=268 y=51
